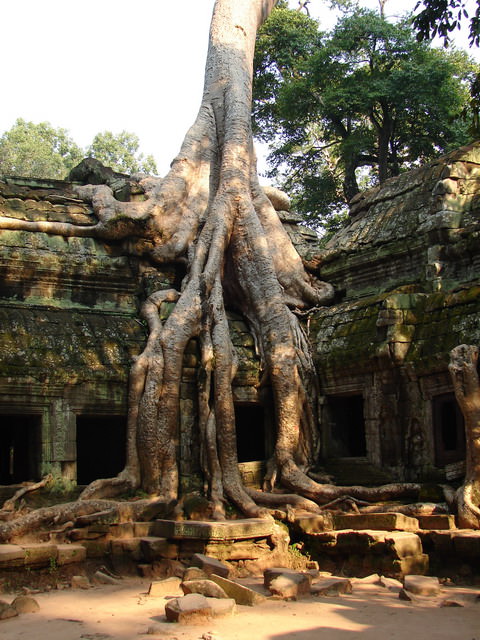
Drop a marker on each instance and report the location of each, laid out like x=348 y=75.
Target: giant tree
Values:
x=210 y=214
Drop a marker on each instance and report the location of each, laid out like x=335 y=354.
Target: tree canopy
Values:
x=366 y=97
x=43 y=151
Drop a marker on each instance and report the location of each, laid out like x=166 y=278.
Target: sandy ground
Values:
x=126 y=612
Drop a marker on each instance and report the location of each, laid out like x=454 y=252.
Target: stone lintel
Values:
x=200 y=530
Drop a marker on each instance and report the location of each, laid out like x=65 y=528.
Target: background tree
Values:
x=442 y=17
x=121 y=153
x=38 y=151
x=43 y=151
x=367 y=97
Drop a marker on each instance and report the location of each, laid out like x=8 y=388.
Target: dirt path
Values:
x=126 y=612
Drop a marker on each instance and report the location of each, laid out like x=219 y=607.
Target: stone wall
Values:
x=406 y=272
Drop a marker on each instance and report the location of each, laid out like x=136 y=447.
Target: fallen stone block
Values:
x=417 y=565
x=206 y=588
x=402 y=544
x=240 y=593
x=25 y=604
x=373 y=578
x=70 y=553
x=104 y=578
x=375 y=521
x=313 y=523
x=190 y=609
x=80 y=582
x=221 y=608
x=331 y=587
x=290 y=587
x=422 y=585
x=11 y=556
x=274 y=572
x=391 y=584
x=210 y=565
x=7 y=611
x=166 y=587
x=194 y=573
x=405 y=595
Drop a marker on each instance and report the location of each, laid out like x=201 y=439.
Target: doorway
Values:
x=101 y=447
x=20 y=443
x=347 y=427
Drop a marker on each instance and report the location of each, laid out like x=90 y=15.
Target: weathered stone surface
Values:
x=240 y=593
x=331 y=587
x=167 y=587
x=103 y=578
x=11 y=555
x=290 y=586
x=391 y=584
x=314 y=523
x=194 y=573
x=228 y=530
x=39 y=554
x=25 y=604
x=466 y=544
x=6 y=611
x=210 y=565
x=154 y=548
x=128 y=547
x=190 y=609
x=206 y=588
x=97 y=548
x=80 y=582
x=375 y=521
x=437 y=521
x=275 y=572
x=222 y=608
x=422 y=585
x=70 y=553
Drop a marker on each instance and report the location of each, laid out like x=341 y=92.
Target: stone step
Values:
x=37 y=555
x=223 y=530
x=377 y=521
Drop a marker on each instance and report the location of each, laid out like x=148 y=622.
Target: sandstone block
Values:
x=142 y=529
x=210 y=565
x=7 y=611
x=11 y=555
x=314 y=523
x=122 y=530
x=80 y=582
x=417 y=565
x=166 y=587
x=422 y=585
x=39 y=554
x=403 y=544
x=190 y=609
x=290 y=587
x=104 y=578
x=274 y=572
x=156 y=548
x=331 y=587
x=466 y=544
x=200 y=530
x=391 y=584
x=206 y=588
x=130 y=547
x=25 y=604
x=194 y=573
x=240 y=593
x=97 y=548
x=70 y=553
x=222 y=608
x=439 y=521
x=376 y=521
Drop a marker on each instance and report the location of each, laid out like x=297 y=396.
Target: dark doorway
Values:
x=347 y=426
x=101 y=443
x=448 y=429
x=19 y=448
x=250 y=423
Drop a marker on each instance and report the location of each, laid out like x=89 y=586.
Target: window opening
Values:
x=449 y=430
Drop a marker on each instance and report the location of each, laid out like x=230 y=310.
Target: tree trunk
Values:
x=210 y=213
x=464 y=374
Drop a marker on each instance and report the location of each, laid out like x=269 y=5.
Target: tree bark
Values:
x=464 y=374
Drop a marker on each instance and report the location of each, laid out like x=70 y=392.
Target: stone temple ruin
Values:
x=406 y=272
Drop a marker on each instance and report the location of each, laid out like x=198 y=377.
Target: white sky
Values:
x=99 y=65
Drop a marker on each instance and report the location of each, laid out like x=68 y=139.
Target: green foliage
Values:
x=42 y=151
x=120 y=152
x=37 y=151
x=441 y=17
x=364 y=101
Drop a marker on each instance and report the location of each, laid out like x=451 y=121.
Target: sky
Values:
x=114 y=65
